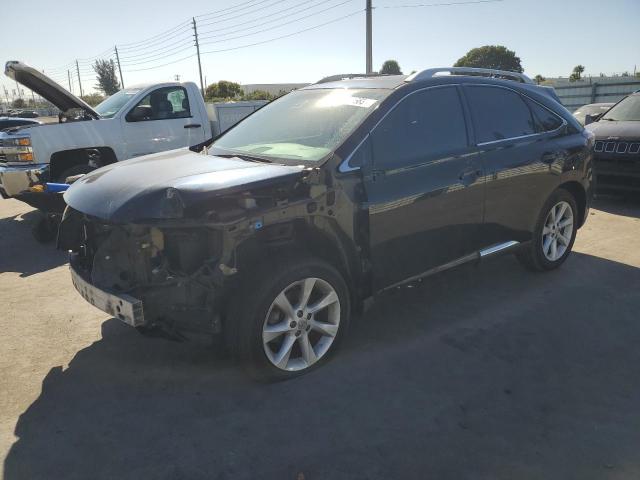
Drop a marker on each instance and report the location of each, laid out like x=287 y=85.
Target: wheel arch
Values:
x=65 y=159
x=580 y=195
x=317 y=237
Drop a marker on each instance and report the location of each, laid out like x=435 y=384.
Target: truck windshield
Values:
x=628 y=110
x=112 y=105
x=304 y=125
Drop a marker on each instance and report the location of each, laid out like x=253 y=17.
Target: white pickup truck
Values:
x=135 y=121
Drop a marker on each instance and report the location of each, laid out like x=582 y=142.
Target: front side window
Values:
x=628 y=110
x=305 y=125
x=424 y=126
x=498 y=114
x=162 y=104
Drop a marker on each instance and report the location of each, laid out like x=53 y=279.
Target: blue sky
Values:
x=549 y=36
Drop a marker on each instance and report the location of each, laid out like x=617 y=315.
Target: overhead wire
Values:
x=205 y=42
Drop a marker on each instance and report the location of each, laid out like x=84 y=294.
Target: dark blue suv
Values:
x=285 y=224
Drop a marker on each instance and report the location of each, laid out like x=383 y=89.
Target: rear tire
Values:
x=288 y=318
x=553 y=235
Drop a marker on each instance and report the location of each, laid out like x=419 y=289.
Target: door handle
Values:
x=193 y=125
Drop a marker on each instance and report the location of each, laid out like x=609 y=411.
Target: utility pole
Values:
x=195 y=34
x=79 y=81
x=369 y=42
x=119 y=69
x=69 y=78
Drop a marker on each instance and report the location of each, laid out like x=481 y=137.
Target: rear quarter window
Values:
x=498 y=113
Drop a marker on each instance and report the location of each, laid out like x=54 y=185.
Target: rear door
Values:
x=516 y=141
x=424 y=186
x=162 y=120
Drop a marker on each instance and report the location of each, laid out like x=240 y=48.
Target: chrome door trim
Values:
x=472 y=257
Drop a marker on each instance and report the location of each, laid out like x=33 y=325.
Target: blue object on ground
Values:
x=57 y=187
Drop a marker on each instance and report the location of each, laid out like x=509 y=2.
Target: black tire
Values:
x=532 y=255
x=248 y=311
x=72 y=171
x=46 y=228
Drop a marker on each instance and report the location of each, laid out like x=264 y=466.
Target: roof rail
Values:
x=347 y=76
x=485 y=72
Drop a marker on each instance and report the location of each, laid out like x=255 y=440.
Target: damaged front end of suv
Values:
x=166 y=256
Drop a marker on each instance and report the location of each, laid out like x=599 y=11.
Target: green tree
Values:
x=18 y=103
x=223 y=90
x=106 y=76
x=93 y=99
x=258 y=95
x=390 y=67
x=491 y=56
x=576 y=75
x=539 y=79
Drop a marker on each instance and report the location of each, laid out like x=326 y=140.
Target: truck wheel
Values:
x=73 y=171
x=289 y=318
x=46 y=228
x=553 y=235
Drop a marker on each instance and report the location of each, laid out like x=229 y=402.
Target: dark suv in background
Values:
x=324 y=198
x=617 y=147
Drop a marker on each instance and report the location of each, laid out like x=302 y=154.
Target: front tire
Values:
x=554 y=233
x=288 y=318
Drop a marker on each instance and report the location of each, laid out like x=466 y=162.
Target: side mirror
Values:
x=590 y=118
x=138 y=114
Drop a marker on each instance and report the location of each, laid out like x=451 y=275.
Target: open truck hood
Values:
x=167 y=184
x=46 y=88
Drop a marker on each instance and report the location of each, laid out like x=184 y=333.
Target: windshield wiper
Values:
x=609 y=119
x=247 y=158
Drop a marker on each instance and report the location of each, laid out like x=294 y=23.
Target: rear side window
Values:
x=424 y=126
x=498 y=114
x=545 y=120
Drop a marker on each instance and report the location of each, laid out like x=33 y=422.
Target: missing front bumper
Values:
x=121 y=306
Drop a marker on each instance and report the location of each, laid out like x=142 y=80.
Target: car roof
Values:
x=380 y=81
x=392 y=82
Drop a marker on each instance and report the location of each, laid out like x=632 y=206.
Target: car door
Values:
x=162 y=120
x=515 y=140
x=424 y=186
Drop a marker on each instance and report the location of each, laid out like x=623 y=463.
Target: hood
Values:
x=604 y=129
x=164 y=185
x=46 y=88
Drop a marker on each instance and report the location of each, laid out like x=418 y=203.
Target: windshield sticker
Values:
x=340 y=98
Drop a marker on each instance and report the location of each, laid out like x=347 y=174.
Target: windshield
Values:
x=112 y=105
x=628 y=110
x=304 y=125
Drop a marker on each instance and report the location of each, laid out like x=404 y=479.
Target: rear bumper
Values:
x=124 y=307
x=15 y=179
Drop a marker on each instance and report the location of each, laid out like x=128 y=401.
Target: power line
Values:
x=285 y=36
x=159 y=41
x=150 y=39
x=163 y=50
x=206 y=36
x=237 y=8
x=305 y=2
x=205 y=24
x=439 y=4
x=162 y=65
x=275 y=26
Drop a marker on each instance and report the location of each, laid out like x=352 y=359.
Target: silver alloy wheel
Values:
x=301 y=324
x=557 y=231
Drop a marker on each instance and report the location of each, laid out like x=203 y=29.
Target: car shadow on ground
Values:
x=488 y=372
x=628 y=206
x=21 y=252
